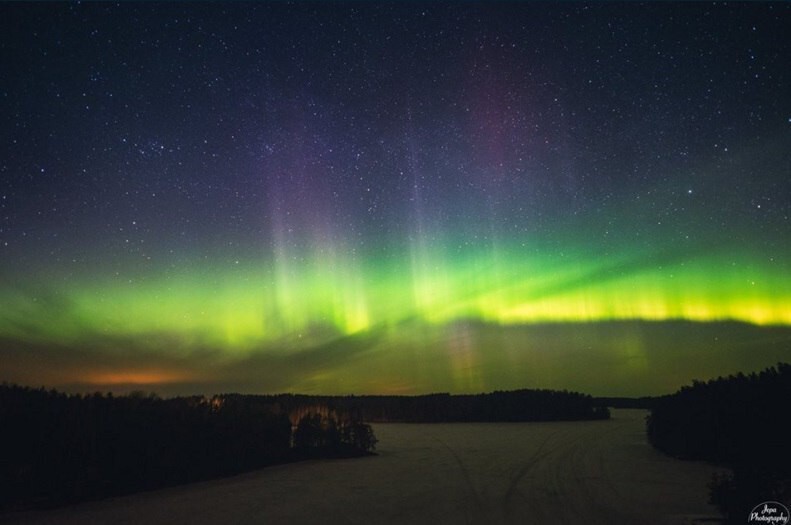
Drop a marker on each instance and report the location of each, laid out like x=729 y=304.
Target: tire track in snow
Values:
x=537 y=456
x=467 y=481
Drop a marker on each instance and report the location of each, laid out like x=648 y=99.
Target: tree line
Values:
x=57 y=448
x=739 y=421
x=498 y=406
x=644 y=402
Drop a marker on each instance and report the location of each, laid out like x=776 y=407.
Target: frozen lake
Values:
x=575 y=472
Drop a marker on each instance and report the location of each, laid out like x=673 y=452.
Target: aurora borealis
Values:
x=393 y=198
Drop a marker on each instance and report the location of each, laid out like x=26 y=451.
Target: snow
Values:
x=569 y=472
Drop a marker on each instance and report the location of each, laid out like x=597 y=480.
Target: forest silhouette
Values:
x=57 y=448
x=741 y=422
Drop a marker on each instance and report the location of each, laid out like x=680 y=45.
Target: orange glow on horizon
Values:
x=137 y=377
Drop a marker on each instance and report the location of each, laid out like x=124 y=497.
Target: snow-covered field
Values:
x=576 y=472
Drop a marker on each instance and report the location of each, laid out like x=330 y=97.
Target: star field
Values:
x=399 y=197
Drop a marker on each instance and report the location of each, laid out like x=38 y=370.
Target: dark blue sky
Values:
x=343 y=155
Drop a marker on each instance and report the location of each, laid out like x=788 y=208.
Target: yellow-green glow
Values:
x=346 y=212
x=306 y=301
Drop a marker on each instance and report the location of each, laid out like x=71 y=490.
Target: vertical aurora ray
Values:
x=326 y=294
x=344 y=198
x=427 y=318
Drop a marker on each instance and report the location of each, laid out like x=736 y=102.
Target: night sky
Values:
x=393 y=198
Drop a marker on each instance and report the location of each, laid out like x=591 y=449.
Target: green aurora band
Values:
x=438 y=316
x=300 y=301
x=413 y=312
x=394 y=198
